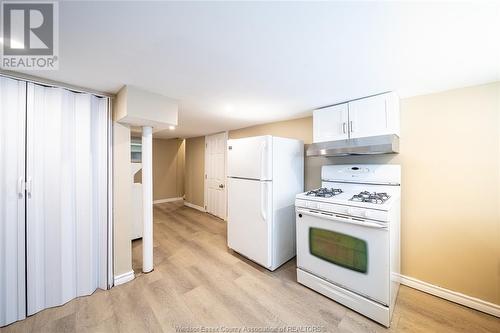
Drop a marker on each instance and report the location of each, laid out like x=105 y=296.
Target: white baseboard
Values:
x=452 y=296
x=201 y=209
x=124 y=278
x=166 y=200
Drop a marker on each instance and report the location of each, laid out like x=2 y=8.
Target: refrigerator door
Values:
x=250 y=158
x=250 y=219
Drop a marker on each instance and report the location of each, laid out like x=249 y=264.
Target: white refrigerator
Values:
x=264 y=175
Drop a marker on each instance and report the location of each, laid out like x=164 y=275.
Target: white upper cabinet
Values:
x=331 y=123
x=372 y=116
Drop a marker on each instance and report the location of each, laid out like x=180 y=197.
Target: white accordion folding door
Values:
x=67 y=195
x=12 y=200
x=54 y=196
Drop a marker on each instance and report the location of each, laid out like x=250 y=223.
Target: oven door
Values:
x=351 y=253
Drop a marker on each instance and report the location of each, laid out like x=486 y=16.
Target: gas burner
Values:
x=372 y=197
x=324 y=192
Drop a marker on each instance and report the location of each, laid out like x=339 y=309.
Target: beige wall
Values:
x=122 y=199
x=296 y=128
x=168 y=169
x=195 y=170
x=450 y=158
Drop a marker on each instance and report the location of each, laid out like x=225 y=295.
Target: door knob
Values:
x=221 y=185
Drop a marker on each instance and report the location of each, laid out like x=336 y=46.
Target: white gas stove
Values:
x=348 y=237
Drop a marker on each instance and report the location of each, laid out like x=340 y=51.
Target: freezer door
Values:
x=249 y=219
x=250 y=158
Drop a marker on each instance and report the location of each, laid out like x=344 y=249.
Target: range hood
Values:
x=382 y=144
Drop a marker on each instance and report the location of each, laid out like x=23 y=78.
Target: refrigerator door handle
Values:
x=263 y=200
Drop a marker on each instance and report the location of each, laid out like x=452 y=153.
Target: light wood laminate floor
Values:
x=198 y=282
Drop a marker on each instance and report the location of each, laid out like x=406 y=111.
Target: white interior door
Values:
x=66 y=195
x=249 y=219
x=12 y=200
x=215 y=174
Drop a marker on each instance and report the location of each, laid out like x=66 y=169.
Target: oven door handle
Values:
x=343 y=219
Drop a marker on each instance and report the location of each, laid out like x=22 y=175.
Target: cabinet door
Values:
x=330 y=123
x=377 y=115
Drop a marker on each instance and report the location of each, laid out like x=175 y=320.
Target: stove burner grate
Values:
x=324 y=192
x=371 y=197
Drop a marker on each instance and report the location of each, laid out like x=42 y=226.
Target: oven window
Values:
x=339 y=249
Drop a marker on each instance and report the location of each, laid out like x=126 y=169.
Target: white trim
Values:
x=204 y=176
x=124 y=278
x=111 y=220
x=56 y=84
x=167 y=200
x=225 y=175
x=201 y=209
x=453 y=296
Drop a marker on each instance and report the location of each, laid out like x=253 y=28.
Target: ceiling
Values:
x=236 y=64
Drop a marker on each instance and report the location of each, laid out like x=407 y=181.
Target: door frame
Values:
x=110 y=236
x=205 y=183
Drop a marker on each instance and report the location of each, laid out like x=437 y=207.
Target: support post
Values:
x=147 y=198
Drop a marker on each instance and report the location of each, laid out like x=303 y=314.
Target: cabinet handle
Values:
x=351 y=128
x=343 y=127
